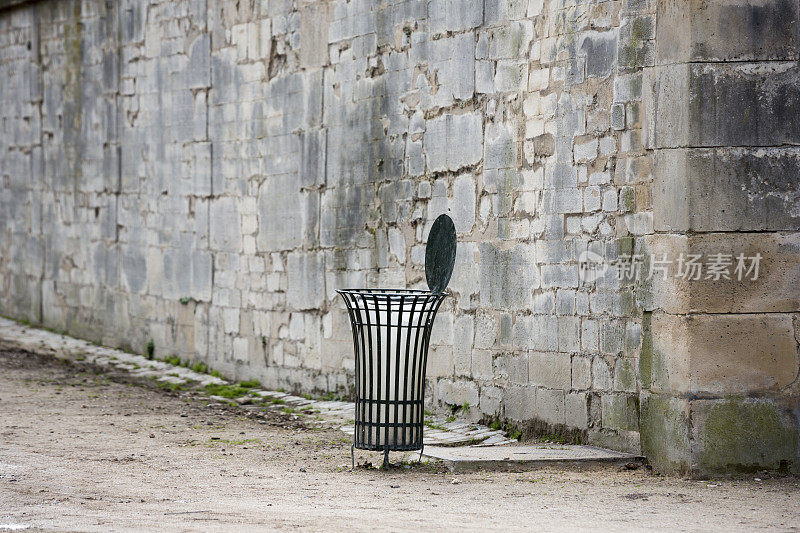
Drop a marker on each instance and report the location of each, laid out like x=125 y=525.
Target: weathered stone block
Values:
x=511 y=368
x=314 y=34
x=664 y=427
x=772 y=290
x=551 y=370
x=618 y=116
x=306 y=288
x=708 y=105
x=482 y=367
x=722 y=354
x=453 y=141
x=600 y=49
x=581 y=372
x=491 y=400
x=620 y=412
x=440 y=361
x=519 y=402
x=743 y=434
x=726 y=30
x=601 y=374
x=576 y=411
x=550 y=406
x=226 y=232
x=458 y=392
x=734 y=189
x=464 y=203
x=454 y=15
x=508 y=277
x=463 y=342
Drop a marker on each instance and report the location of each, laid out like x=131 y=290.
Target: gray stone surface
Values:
x=528 y=457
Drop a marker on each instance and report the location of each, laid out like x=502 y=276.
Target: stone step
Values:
x=529 y=457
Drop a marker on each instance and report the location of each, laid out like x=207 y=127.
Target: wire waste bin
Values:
x=391 y=334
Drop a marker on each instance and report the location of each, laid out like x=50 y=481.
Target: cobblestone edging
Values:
x=329 y=412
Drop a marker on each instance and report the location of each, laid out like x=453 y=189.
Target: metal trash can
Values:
x=391 y=334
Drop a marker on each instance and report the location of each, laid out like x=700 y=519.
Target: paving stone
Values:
x=529 y=457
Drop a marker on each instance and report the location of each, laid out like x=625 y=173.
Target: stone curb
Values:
x=531 y=457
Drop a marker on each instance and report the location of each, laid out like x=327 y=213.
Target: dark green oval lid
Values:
x=440 y=253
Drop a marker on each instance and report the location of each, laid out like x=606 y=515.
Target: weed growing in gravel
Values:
x=171 y=387
x=435 y=426
x=227 y=390
x=173 y=360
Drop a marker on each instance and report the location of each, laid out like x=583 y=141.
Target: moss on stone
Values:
x=745 y=435
x=621 y=412
x=664 y=432
x=625 y=376
x=627 y=200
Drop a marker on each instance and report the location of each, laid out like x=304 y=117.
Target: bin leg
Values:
x=386 y=459
x=421 y=448
x=353 y=456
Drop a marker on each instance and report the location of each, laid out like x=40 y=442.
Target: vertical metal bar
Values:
x=408 y=420
x=362 y=353
x=419 y=413
x=388 y=345
x=377 y=358
x=361 y=391
x=398 y=423
x=355 y=328
x=369 y=400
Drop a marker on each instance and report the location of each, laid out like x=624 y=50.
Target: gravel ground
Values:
x=83 y=451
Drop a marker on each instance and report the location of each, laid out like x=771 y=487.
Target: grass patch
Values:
x=227 y=390
x=173 y=360
x=555 y=439
x=170 y=387
x=331 y=397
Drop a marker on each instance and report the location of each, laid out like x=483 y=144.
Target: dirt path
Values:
x=81 y=452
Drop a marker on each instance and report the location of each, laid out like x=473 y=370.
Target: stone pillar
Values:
x=719 y=362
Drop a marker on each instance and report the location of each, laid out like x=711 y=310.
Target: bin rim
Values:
x=390 y=293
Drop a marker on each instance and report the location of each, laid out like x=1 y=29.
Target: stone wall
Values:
x=720 y=361
x=206 y=174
